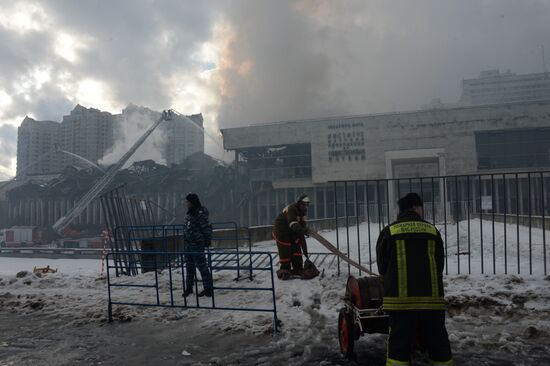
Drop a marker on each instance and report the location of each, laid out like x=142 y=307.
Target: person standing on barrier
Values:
x=197 y=236
x=290 y=231
x=410 y=258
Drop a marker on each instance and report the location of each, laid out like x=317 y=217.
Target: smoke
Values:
x=129 y=127
x=291 y=60
x=273 y=66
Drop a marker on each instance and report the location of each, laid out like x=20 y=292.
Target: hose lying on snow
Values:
x=314 y=234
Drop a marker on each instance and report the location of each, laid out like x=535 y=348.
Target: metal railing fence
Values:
x=156 y=289
x=490 y=223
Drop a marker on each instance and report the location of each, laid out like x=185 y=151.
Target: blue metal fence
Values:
x=173 y=263
x=132 y=244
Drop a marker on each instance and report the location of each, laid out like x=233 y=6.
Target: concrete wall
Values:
x=372 y=136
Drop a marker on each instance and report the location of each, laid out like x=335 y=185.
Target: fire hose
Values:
x=314 y=234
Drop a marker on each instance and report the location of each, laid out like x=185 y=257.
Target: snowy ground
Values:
x=60 y=319
x=473 y=250
x=10 y=266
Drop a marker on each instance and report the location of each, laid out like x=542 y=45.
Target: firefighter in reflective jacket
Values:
x=410 y=260
x=289 y=232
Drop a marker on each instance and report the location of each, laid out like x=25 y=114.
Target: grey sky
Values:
x=243 y=62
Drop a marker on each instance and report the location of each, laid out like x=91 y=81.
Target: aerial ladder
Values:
x=108 y=177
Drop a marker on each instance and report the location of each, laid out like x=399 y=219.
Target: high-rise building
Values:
x=36 y=142
x=494 y=87
x=185 y=137
x=87 y=132
x=90 y=133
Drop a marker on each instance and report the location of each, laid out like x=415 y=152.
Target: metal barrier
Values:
x=486 y=220
x=132 y=243
x=230 y=232
x=165 y=289
x=120 y=210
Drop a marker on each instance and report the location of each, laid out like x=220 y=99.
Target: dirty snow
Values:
x=10 y=265
x=60 y=319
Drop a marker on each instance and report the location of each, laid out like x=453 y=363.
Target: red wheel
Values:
x=346 y=333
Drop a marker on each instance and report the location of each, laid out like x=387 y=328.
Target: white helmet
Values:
x=304 y=199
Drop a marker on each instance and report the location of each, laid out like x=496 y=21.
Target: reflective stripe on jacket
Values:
x=410 y=258
x=290 y=224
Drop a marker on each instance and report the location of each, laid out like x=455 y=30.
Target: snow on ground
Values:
x=60 y=319
x=10 y=265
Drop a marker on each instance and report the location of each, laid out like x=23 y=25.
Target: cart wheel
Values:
x=346 y=333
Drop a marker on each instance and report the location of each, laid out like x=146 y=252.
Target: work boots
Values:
x=188 y=291
x=205 y=292
x=284 y=274
x=310 y=271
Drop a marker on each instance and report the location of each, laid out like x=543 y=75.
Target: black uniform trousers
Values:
x=429 y=325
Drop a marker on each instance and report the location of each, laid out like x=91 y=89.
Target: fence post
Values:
x=368 y=221
x=433 y=202
x=170 y=278
x=457 y=213
x=250 y=251
x=543 y=221
x=357 y=225
x=468 y=218
x=505 y=220
x=530 y=205
x=336 y=224
x=481 y=220
x=445 y=224
x=493 y=224
x=110 y=305
x=157 y=279
x=517 y=223
x=275 y=320
x=347 y=222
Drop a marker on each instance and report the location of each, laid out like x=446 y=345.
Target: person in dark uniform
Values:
x=410 y=258
x=197 y=236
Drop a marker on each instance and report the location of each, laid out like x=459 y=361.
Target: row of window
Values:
x=513 y=149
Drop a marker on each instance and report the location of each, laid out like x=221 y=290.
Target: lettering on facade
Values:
x=346 y=142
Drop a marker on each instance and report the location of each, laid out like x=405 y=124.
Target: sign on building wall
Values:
x=486 y=202
x=346 y=142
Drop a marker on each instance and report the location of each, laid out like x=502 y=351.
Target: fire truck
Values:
x=23 y=236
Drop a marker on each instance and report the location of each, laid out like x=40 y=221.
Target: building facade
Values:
x=91 y=133
x=87 y=132
x=36 y=141
x=185 y=137
x=494 y=87
x=287 y=158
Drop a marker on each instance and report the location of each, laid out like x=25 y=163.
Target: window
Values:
x=278 y=162
x=517 y=148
